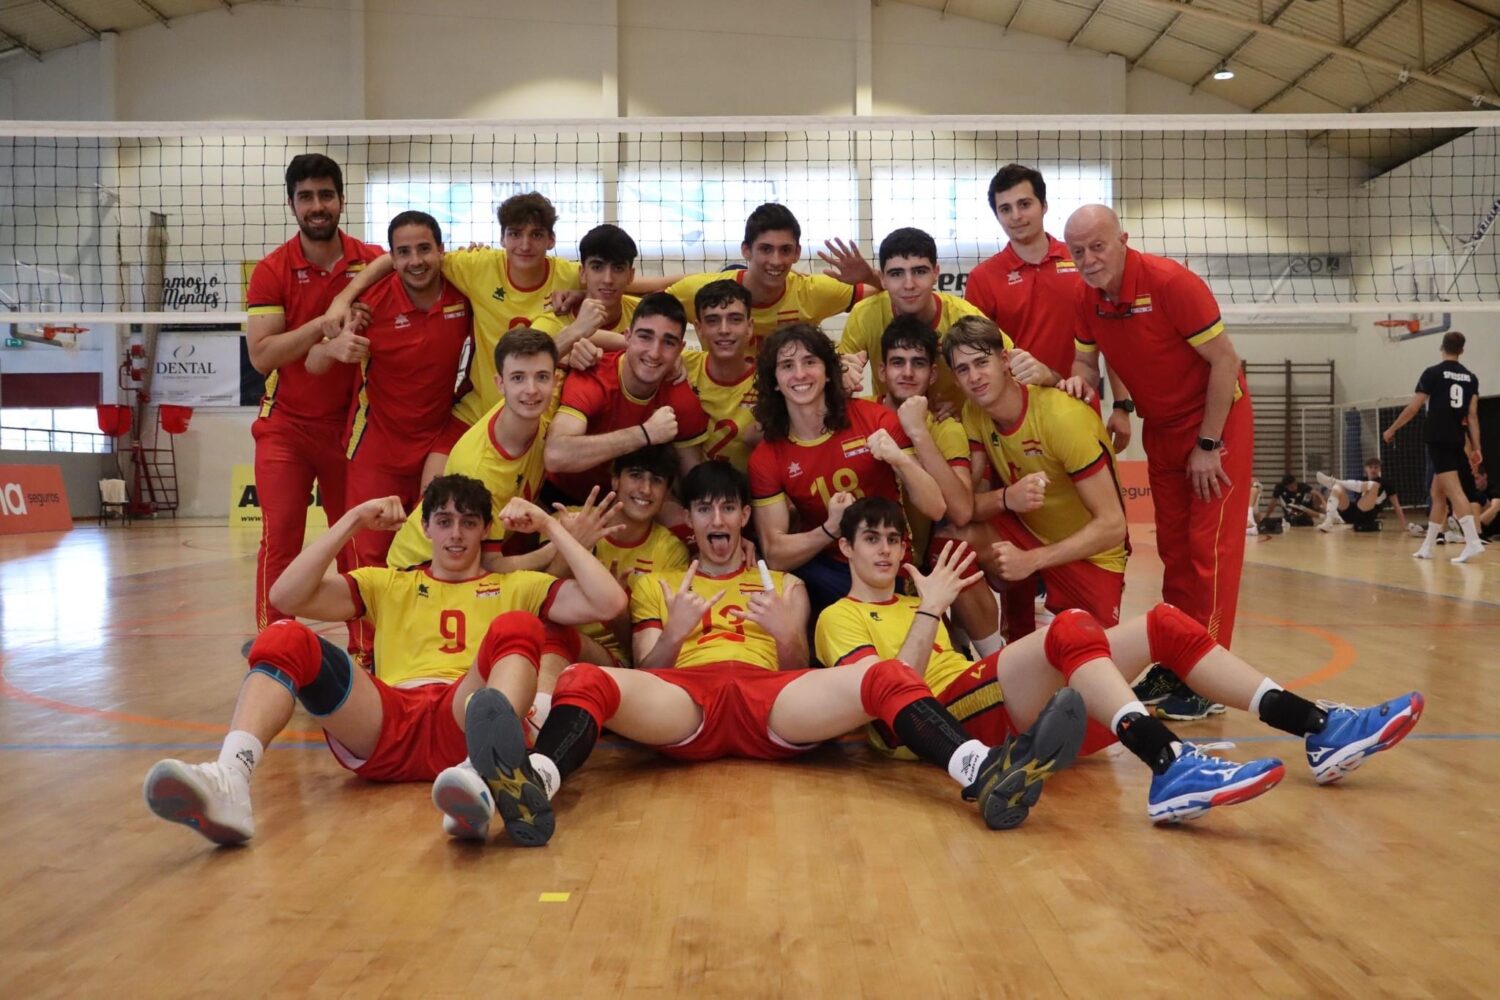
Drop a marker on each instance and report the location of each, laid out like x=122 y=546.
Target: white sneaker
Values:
x=1325 y=480
x=210 y=799
x=1469 y=552
x=465 y=801
x=1413 y=528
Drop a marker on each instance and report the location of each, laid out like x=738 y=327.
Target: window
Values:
x=74 y=429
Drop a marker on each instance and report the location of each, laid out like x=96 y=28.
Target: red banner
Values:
x=32 y=498
x=1136 y=488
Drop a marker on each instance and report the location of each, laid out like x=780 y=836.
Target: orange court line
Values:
x=1341 y=658
x=14 y=693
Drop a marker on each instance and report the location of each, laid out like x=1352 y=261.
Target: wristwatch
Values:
x=1128 y=405
x=1210 y=444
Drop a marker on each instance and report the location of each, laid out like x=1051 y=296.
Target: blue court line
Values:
x=1268 y=738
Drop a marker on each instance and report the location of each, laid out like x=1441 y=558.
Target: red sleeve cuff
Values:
x=1101 y=462
x=552 y=591
x=858 y=652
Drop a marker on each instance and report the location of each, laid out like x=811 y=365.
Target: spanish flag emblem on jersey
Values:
x=855 y=446
x=454 y=310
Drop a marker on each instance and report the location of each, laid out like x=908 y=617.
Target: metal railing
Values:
x=45 y=439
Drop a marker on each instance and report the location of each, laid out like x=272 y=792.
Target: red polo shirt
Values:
x=1034 y=303
x=408 y=380
x=1148 y=336
x=285 y=283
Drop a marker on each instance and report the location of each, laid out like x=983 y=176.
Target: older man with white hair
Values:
x=1159 y=326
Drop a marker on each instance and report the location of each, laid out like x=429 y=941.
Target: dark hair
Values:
x=872 y=512
x=608 y=243
x=1287 y=480
x=469 y=496
x=909 y=332
x=770 y=407
x=977 y=333
x=529 y=209
x=770 y=218
x=715 y=479
x=414 y=218
x=718 y=294
x=908 y=242
x=658 y=459
x=1012 y=174
x=523 y=342
x=660 y=304
x=1372 y=460
x=312 y=166
x=1453 y=343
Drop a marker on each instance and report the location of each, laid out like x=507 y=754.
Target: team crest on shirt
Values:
x=354 y=268
x=1032 y=447
x=421 y=590
x=1066 y=267
x=487 y=590
x=854 y=447
x=401 y=321
x=456 y=310
x=301 y=275
x=498 y=294
x=1014 y=278
x=1142 y=304
x=995 y=438
x=875 y=616
x=793 y=470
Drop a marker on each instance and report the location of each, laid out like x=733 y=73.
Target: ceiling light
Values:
x=1223 y=72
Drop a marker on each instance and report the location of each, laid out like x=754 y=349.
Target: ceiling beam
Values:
x=1275 y=16
x=1086 y=22
x=1014 y=14
x=153 y=12
x=1353 y=40
x=16 y=43
x=1390 y=66
x=71 y=18
x=1442 y=64
x=1131 y=64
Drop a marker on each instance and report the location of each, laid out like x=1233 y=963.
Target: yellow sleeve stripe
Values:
x=777 y=497
x=1084 y=345
x=1205 y=335
x=267 y=311
x=572 y=413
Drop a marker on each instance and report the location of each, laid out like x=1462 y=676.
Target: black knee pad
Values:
x=330 y=689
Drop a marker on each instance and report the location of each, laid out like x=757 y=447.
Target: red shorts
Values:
x=418 y=735
x=977 y=701
x=1078 y=584
x=736 y=700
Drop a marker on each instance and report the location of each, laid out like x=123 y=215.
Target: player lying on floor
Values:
x=709 y=645
x=444 y=630
x=1000 y=695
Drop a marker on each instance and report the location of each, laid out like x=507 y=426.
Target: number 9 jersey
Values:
x=429 y=629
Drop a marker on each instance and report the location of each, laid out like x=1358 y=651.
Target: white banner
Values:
x=193 y=288
x=197 y=369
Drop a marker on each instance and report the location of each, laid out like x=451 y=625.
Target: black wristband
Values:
x=1004 y=500
x=648 y=435
x=929 y=614
x=828 y=533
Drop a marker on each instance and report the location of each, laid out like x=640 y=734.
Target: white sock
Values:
x=1471 y=530
x=963 y=766
x=1433 y=530
x=1354 y=487
x=240 y=753
x=547 y=771
x=1266 y=687
x=1126 y=709
x=541 y=707
x=989 y=645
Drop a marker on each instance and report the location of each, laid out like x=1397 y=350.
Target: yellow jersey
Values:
x=729 y=406
x=658 y=552
x=552 y=324
x=1064 y=438
x=808 y=298
x=479 y=455
x=499 y=304
x=716 y=638
x=953 y=444
x=866 y=325
x=848 y=630
x=428 y=629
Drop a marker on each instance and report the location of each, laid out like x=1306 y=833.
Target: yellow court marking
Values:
x=553 y=897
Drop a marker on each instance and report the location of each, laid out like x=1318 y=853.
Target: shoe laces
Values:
x=1334 y=706
x=1197 y=749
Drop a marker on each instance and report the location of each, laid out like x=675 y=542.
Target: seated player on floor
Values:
x=1001 y=695
x=710 y=645
x=1358 y=502
x=444 y=631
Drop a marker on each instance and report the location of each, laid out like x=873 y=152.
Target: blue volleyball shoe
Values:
x=1197 y=782
x=1353 y=734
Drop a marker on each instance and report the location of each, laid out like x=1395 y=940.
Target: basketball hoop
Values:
x=53 y=332
x=54 y=335
x=1398 y=329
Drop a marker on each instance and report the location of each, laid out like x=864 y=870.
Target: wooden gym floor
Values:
x=836 y=875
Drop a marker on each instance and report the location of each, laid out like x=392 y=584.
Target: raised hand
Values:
x=1026 y=369
x=913 y=416
x=852 y=372
x=949 y=577
x=847 y=263
x=661 y=426
x=837 y=504
x=590 y=523
x=1014 y=563
x=685 y=607
x=565 y=301
x=884 y=447
x=591 y=315
x=1027 y=493
x=349 y=347
x=584 y=355
x=381 y=514
x=521 y=516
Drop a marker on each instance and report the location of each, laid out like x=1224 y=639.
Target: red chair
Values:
x=174 y=419
x=114 y=419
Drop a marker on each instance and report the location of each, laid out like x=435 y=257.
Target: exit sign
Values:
x=14 y=342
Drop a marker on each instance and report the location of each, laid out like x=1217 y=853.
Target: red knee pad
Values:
x=291 y=648
x=513 y=633
x=1177 y=641
x=1074 y=638
x=888 y=687
x=586 y=686
x=561 y=640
